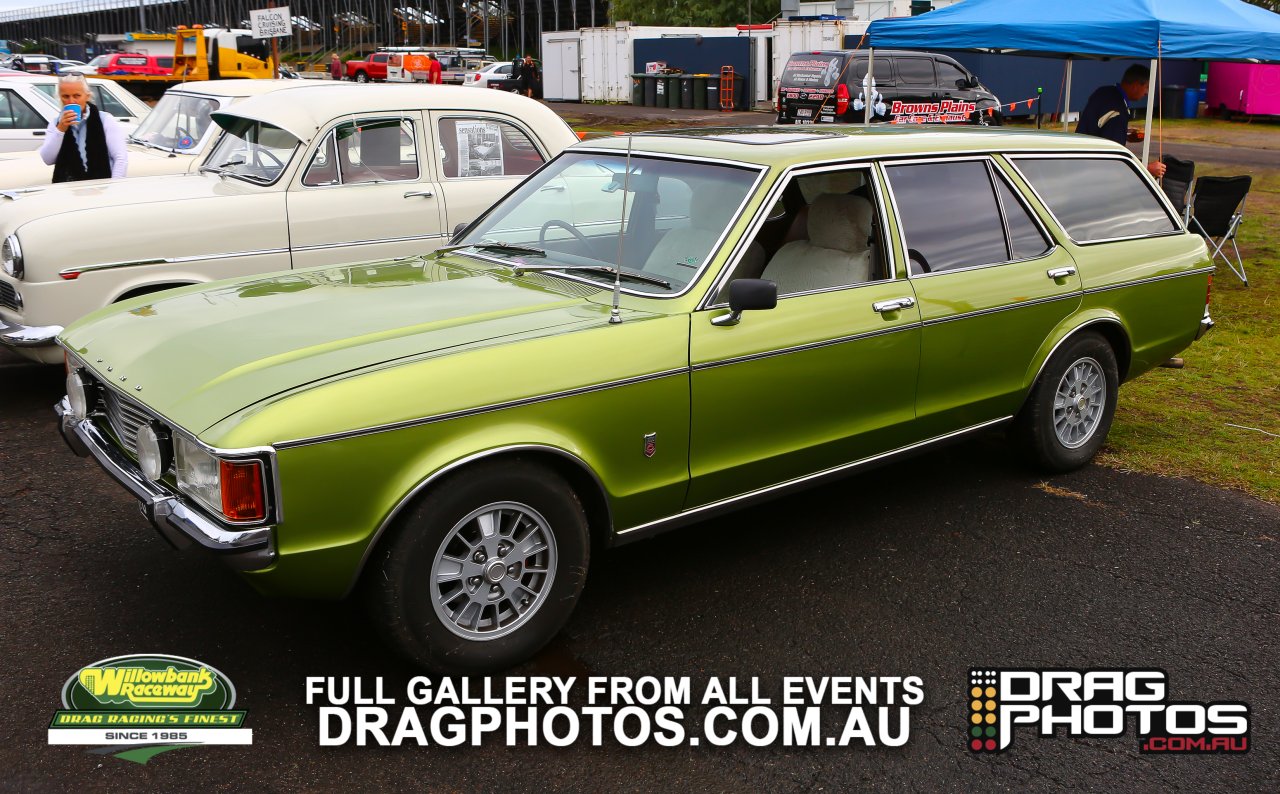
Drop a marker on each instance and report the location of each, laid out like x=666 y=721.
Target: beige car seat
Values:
x=680 y=252
x=836 y=253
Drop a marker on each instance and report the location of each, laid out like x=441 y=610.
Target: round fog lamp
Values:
x=77 y=394
x=155 y=454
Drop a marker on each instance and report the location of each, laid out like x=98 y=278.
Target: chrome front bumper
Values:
x=180 y=525
x=14 y=335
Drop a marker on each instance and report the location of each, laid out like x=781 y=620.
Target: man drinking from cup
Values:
x=96 y=146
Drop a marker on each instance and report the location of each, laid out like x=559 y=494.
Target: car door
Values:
x=22 y=127
x=366 y=192
x=991 y=281
x=825 y=379
x=480 y=157
x=917 y=83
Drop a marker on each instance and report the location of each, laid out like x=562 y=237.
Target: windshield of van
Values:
x=178 y=123
x=670 y=215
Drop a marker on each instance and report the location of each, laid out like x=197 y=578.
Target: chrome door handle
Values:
x=422 y=193
x=1060 y=272
x=884 y=307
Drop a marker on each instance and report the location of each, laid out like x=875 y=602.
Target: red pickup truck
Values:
x=371 y=69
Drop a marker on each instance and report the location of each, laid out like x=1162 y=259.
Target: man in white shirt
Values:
x=96 y=147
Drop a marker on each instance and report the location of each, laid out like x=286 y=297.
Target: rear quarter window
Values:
x=1096 y=199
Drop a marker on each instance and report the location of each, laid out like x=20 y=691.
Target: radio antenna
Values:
x=615 y=314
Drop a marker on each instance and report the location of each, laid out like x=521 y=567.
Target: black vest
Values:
x=69 y=167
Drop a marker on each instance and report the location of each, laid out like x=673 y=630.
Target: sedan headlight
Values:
x=155 y=452
x=79 y=394
x=11 y=256
x=233 y=489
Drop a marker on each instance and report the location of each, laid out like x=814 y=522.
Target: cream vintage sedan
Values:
x=172 y=139
x=318 y=176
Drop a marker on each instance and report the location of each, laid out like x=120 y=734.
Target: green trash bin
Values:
x=660 y=90
x=713 y=92
x=637 y=89
x=673 y=91
x=700 y=91
x=651 y=83
x=686 y=92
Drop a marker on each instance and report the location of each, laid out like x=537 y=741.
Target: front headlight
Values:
x=233 y=489
x=78 y=394
x=155 y=452
x=11 y=256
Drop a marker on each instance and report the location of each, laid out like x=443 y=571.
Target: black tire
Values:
x=361 y=77
x=401 y=586
x=1034 y=431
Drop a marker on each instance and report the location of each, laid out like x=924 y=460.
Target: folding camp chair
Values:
x=1176 y=182
x=1217 y=208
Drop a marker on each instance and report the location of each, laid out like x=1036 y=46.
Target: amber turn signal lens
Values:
x=242 y=495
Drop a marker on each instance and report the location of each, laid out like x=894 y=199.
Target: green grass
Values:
x=1179 y=422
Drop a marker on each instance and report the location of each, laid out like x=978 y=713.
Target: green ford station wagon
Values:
x=649 y=330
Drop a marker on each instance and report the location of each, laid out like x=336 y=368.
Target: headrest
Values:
x=814 y=185
x=840 y=221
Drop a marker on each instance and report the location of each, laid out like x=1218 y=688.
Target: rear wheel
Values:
x=361 y=77
x=1069 y=411
x=484 y=571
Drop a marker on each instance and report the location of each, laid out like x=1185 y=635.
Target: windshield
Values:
x=178 y=123
x=49 y=93
x=571 y=214
x=252 y=151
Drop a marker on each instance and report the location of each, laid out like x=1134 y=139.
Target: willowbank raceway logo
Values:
x=140 y=705
x=1098 y=703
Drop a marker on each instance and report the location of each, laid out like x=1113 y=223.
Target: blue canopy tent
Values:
x=1220 y=30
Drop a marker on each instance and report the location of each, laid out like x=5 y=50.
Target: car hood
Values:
x=26 y=169
x=199 y=354
x=69 y=198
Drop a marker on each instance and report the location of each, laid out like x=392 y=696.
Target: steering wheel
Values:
x=579 y=236
x=916 y=258
x=258 y=152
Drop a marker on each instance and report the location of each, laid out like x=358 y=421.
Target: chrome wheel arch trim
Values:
x=1069 y=335
x=467 y=460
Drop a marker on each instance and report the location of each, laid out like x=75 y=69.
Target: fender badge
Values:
x=650 y=444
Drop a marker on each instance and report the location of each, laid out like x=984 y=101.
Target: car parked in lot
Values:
x=128 y=63
x=648 y=331
x=489 y=74
x=317 y=175
x=909 y=87
x=28 y=102
x=172 y=139
x=370 y=69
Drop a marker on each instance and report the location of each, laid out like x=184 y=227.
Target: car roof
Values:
x=784 y=146
x=44 y=79
x=879 y=53
x=303 y=118
x=243 y=88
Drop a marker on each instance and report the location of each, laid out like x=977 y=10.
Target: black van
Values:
x=910 y=88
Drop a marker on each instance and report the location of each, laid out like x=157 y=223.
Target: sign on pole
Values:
x=270 y=23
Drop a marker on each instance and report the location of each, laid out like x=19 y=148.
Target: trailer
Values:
x=1249 y=88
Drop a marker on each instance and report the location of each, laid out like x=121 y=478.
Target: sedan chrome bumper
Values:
x=179 y=524
x=14 y=335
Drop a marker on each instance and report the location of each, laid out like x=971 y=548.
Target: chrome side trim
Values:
x=172 y=260
x=799 y=348
x=996 y=309
x=457 y=464
x=248 y=550
x=712 y=508
x=1068 y=335
x=484 y=409
x=322 y=246
x=14 y=335
x=1198 y=271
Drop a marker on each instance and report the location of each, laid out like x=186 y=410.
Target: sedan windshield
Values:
x=178 y=123
x=252 y=151
x=669 y=214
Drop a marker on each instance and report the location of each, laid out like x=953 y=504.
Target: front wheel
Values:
x=361 y=77
x=484 y=571
x=1069 y=411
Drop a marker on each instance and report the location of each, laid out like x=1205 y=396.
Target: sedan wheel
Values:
x=1065 y=419
x=483 y=571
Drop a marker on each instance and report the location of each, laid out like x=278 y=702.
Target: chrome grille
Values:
x=126 y=418
x=8 y=296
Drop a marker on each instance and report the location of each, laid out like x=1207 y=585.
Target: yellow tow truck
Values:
x=201 y=53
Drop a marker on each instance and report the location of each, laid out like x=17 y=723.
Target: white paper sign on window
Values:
x=270 y=23
x=479 y=149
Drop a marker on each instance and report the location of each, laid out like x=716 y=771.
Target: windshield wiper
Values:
x=611 y=271
x=510 y=248
x=222 y=170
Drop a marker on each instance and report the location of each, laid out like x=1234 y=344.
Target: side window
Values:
x=16 y=114
x=376 y=150
x=949 y=74
x=915 y=71
x=109 y=104
x=323 y=169
x=1025 y=238
x=949 y=215
x=480 y=147
x=823 y=234
x=165 y=62
x=1096 y=199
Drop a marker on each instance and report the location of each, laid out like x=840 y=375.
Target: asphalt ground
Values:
x=928 y=567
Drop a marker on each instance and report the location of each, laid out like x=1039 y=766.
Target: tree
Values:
x=701 y=13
